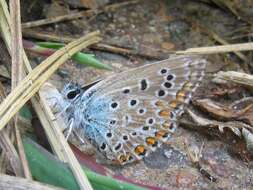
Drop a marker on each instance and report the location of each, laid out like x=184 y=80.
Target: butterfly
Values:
x=129 y=114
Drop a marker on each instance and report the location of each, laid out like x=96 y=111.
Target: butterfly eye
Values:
x=72 y=94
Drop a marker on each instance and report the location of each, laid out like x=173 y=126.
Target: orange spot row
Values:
x=123 y=158
x=140 y=150
x=187 y=86
x=166 y=125
x=151 y=141
x=161 y=134
x=174 y=103
x=165 y=113
x=159 y=103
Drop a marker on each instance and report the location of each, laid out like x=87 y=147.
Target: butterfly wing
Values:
x=130 y=114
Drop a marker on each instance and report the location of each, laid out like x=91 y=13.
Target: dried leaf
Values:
x=239 y=110
x=238 y=128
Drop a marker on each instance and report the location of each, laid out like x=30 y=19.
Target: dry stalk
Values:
x=219 y=49
x=17 y=72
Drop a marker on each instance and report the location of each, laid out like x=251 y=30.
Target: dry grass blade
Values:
x=17 y=72
x=11 y=183
x=218 y=49
x=11 y=153
x=7 y=144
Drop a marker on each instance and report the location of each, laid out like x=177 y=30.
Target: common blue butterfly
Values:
x=130 y=114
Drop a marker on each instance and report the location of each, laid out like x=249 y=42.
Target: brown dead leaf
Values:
x=239 y=110
x=238 y=128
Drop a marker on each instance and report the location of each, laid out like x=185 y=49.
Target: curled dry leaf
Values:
x=237 y=127
x=239 y=110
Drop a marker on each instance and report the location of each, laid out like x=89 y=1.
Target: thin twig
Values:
x=80 y=14
x=17 y=72
x=219 y=49
x=112 y=48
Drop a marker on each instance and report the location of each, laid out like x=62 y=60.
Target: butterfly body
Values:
x=130 y=114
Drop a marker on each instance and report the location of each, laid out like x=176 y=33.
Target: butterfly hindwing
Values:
x=130 y=114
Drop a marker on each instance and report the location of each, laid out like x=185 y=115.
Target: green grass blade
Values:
x=82 y=58
x=46 y=168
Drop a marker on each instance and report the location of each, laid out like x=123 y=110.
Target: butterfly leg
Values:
x=79 y=138
x=70 y=128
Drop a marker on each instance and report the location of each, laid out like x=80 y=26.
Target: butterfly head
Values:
x=71 y=91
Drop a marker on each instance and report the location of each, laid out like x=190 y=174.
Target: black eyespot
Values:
x=145 y=128
x=103 y=146
x=125 y=137
x=109 y=135
x=126 y=91
x=114 y=105
x=133 y=102
x=163 y=71
x=141 y=111
x=118 y=146
x=134 y=133
x=72 y=94
x=112 y=122
x=144 y=84
x=170 y=77
x=161 y=93
x=151 y=121
x=167 y=85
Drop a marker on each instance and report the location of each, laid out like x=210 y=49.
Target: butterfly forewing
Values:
x=130 y=114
